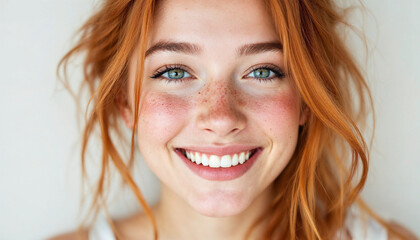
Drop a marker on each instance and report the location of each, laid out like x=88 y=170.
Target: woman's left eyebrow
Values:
x=190 y=48
x=255 y=48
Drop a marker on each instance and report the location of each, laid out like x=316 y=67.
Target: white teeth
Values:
x=192 y=157
x=204 y=160
x=235 y=160
x=215 y=161
x=242 y=158
x=197 y=158
x=225 y=161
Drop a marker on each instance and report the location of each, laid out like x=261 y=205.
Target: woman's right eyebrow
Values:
x=190 y=48
x=182 y=47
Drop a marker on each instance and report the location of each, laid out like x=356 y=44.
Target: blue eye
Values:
x=176 y=73
x=262 y=73
x=172 y=74
x=268 y=73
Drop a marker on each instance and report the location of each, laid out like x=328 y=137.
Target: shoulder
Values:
x=360 y=225
x=363 y=226
x=134 y=227
x=84 y=235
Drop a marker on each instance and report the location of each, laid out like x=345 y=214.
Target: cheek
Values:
x=160 y=117
x=278 y=113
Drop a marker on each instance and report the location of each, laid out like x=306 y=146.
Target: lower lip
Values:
x=220 y=174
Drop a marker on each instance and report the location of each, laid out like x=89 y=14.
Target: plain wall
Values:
x=39 y=151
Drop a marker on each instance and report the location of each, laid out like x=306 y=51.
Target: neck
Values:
x=177 y=220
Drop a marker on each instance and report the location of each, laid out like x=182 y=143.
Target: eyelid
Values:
x=160 y=71
x=277 y=70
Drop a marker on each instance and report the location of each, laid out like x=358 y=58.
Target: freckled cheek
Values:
x=279 y=113
x=161 y=117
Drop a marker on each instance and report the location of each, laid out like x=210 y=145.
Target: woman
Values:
x=244 y=110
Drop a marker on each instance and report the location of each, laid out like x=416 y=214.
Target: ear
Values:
x=304 y=114
x=125 y=109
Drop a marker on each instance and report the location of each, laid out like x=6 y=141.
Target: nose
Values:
x=220 y=112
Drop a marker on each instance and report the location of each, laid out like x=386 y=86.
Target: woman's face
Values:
x=214 y=87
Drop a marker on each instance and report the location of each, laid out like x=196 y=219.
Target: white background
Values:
x=39 y=152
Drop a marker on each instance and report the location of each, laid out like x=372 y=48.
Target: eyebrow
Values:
x=190 y=48
x=181 y=47
x=255 y=48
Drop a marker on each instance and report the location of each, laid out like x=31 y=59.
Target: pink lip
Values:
x=219 y=174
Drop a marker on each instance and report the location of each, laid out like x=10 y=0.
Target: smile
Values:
x=215 y=161
x=219 y=164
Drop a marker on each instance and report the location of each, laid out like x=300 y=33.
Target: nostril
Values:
x=234 y=130
x=222 y=132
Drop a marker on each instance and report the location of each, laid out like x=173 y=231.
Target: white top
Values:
x=101 y=230
x=360 y=226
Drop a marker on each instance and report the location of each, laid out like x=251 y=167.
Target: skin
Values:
x=218 y=105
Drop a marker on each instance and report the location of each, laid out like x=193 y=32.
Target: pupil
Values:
x=176 y=73
x=262 y=73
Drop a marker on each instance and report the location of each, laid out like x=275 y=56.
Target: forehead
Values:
x=217 y=22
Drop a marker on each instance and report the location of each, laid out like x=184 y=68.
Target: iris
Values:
x=176 y=73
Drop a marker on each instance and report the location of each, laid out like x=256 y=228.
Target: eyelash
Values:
x=167 y=68
x=276 y=70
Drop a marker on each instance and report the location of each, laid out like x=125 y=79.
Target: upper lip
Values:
x=219 y=150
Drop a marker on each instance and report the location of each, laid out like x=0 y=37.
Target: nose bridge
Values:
x=219 y=98
x=220 y=109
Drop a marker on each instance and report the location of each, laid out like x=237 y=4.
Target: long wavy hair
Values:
x=330 y=164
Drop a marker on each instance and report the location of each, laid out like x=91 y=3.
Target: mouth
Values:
x=217 y=161
x=218 y=165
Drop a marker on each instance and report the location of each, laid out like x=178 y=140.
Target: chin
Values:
x=220 y=204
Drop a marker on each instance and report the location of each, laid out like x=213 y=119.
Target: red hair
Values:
x=321 y=181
